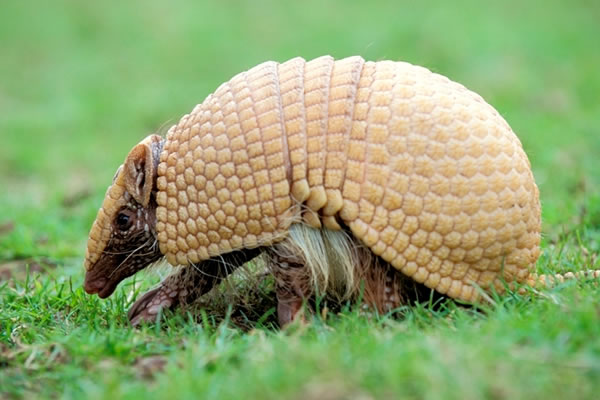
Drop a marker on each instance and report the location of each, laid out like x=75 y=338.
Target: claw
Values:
x=289 y=310
x=148 y=307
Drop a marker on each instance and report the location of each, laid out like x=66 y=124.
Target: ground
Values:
x=82 y=82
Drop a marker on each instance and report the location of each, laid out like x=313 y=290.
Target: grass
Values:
x=81 y=83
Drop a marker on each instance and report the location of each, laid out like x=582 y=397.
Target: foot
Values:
x=148 y=307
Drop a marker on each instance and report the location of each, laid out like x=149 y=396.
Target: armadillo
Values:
x=403 y=162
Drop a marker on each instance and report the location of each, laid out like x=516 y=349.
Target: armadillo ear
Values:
x=140 y=170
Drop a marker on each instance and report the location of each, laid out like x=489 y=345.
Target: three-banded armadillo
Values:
x=386 y=156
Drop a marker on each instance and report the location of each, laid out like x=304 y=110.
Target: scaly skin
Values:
x=420 y=170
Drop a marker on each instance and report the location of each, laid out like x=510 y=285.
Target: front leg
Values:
x=188 y=284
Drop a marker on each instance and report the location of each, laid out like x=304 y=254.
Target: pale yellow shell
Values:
x=423 y=171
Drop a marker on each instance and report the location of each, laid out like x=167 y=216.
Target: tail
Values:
x=550 y=280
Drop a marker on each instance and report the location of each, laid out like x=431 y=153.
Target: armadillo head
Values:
x=122 y=240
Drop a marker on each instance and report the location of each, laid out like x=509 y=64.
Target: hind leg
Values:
x=383 y=288
x=386 y=289
x=186 y=285
x=292 y=284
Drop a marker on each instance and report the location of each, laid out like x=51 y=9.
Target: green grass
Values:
x=82 y=82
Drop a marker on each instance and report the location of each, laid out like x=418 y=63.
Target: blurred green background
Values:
x=82 y=82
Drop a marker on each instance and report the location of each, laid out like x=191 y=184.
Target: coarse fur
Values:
x=333 y=264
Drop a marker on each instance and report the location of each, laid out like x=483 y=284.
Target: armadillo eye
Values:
x=124 y=221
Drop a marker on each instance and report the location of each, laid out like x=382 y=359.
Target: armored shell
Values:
x=421 y=170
